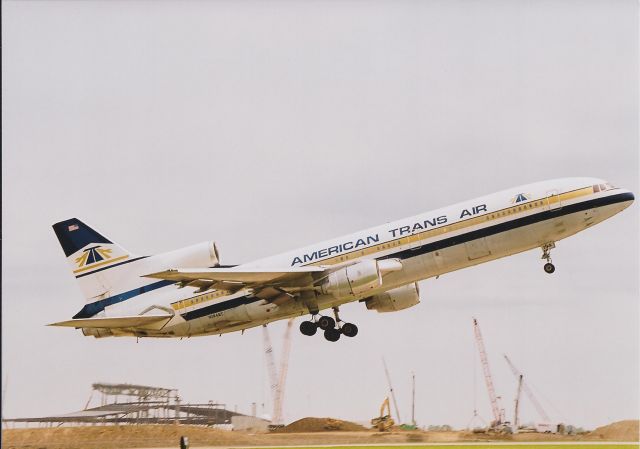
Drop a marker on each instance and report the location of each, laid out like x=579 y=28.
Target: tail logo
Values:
x=92 y=255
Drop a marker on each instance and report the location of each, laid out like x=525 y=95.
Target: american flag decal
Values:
x=73 y=227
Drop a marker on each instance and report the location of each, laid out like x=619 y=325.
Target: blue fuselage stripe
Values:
x=90 y=310
x=219 y=307
x=510 y=225
x=446 y=243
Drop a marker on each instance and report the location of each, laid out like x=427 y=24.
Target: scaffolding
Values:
x=138 y=404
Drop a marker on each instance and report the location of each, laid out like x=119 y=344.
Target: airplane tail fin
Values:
x=91 y=257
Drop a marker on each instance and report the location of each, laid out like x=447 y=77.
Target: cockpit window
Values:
x=602 y=187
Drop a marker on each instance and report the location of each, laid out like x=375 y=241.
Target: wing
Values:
x=237 y=278
x=148 y=321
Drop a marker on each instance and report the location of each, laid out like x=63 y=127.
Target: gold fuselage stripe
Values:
x=434 y=232
x=458 y=225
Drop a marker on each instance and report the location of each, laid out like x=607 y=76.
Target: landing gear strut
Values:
x=546 y=255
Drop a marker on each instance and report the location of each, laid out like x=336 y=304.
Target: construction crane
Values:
x=528 y=392
x=516 y=409
x=277 y=382
x=284 y=368
x=497 y=417
x=393 y=394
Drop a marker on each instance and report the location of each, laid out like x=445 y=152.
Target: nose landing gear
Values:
x=328 y=325
x=546 y=255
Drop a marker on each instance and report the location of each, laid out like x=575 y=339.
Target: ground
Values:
x=166 y=436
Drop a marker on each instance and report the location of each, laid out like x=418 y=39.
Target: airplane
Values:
x=188 y=293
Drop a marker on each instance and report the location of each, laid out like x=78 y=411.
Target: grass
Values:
x=586 y=445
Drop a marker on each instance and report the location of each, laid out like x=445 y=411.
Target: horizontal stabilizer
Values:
x=236 y=275
x=148 y=321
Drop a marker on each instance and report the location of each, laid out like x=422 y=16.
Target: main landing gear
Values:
x=546 y=255
x=328 y=325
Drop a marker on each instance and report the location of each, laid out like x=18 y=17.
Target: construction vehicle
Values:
x=384 y=422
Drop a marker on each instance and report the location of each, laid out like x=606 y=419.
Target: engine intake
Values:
x=353 y=280
x=395 y=299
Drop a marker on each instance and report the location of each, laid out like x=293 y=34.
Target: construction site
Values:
x=128 y=415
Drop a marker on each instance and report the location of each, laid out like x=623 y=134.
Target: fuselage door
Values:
x=553 y=200
x=477 y=248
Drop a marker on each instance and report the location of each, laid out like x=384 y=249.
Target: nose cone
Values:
x=628 y=196
x=625 y=198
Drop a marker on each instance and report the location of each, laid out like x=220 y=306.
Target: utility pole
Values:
x=413 y=399
x=516 y=417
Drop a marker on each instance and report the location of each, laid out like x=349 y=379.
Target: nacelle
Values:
x=353 y=280
x=96 y=332
x=395 y=299
x=204 y=255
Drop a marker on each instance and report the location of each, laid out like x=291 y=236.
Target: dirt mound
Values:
x=321 y=425
x=111 y=437
x=618 y=431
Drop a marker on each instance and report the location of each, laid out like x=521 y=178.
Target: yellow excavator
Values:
x=384 y=422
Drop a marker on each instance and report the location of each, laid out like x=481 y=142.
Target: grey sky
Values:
x=268 y=126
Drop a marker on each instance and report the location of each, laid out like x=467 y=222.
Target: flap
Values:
x=117 y=322
x=238 y=275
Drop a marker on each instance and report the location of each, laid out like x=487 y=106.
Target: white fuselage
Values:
x=428 y=245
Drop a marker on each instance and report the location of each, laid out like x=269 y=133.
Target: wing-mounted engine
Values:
x=359 y=278
x=353 y=280
x=396 y=299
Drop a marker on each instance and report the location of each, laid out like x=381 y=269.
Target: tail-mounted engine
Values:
x=395 y=299
x=203 y=255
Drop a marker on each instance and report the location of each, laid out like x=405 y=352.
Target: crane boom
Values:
x=284 y=367
x=393 y=394
x=273 y=374
x=528 y=392
x=487 y=373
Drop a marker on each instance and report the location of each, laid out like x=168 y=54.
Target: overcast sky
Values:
x=267 y=126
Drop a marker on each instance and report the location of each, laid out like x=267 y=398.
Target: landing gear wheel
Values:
x=308 y=328
x=549 y=268
x=332 y=334
x=349 y=330
x=326 y=322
